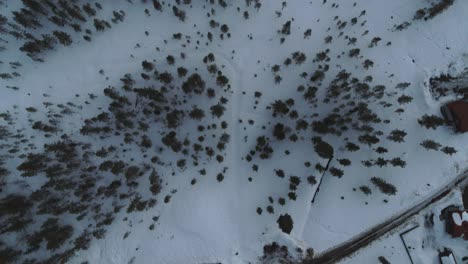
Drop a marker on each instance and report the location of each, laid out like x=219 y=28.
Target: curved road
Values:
x=345 y=249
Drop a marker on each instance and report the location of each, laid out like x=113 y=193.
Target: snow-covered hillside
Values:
x=218 y=131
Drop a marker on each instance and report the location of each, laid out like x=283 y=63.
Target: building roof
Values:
x=459 y=111
x=459 y=224
x=448 y=259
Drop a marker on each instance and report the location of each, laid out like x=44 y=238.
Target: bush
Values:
x=299 y=57
x=311 y=92
x=354 y=52
x=217 y=110
x=171 y=140
x=431 y=121
x=381 y=162
x=155 y=183
x=170 y=60
x=430 y=144
x=322 y=148
x=384 y=186
x=404 y=99
x=83 y=241
x=222 y=80
x=311 y=180
x=317 y=76
x=286 y=29
x=165 y=77
x=197 y=113
x=274 y=253
x=194 y=82
x=181 y=71
x=146 y=142
x=352 y=147
x=147 y=66
x=132 y=173
x=157 y=5
x=397 y=135
x=263 y=147
x=181 y=163
x=319 y=167
x=367 y=64
x=118 y=167
x=449 y=150
x=9 y=255
x=344 y=162
x=279 y=131
x=14 y=205
x=365 y=189
x=34 y=164
x=420 y=14
x=53 y=233
x=3 y=173
x=285 y=223
x=369 y=139
x=294 y=181
x=383 y=260
x=438 y=8
x=398 y=162
x=63 y=38
x=220 y=177
x=137 y=205
x=44 y=127
x=336 y=172
x=279 y=107
x=279 y=173
x=224 y=28
x=381 y=150
x=101 y=25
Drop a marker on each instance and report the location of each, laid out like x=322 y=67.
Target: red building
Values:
x=456 y=113
x=457 y=223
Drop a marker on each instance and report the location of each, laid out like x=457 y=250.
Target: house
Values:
x=446 y=257
x=456 y=114
x=456 y=223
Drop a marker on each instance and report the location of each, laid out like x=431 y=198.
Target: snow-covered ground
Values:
x=229 y=220
x=424 y=242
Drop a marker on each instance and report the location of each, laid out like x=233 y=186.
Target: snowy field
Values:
x=424 y=242
x=199 y=131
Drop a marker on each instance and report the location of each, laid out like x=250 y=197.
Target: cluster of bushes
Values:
x=77 y=172
x=61 y=15
x=384 y=186
x=381 y=162
x=431 y=12
x=430 y=144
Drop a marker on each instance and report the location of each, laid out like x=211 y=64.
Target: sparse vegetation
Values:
x=174 y=122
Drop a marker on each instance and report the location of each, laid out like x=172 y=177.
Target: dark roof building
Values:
x=446 y=257
x=456 y=113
